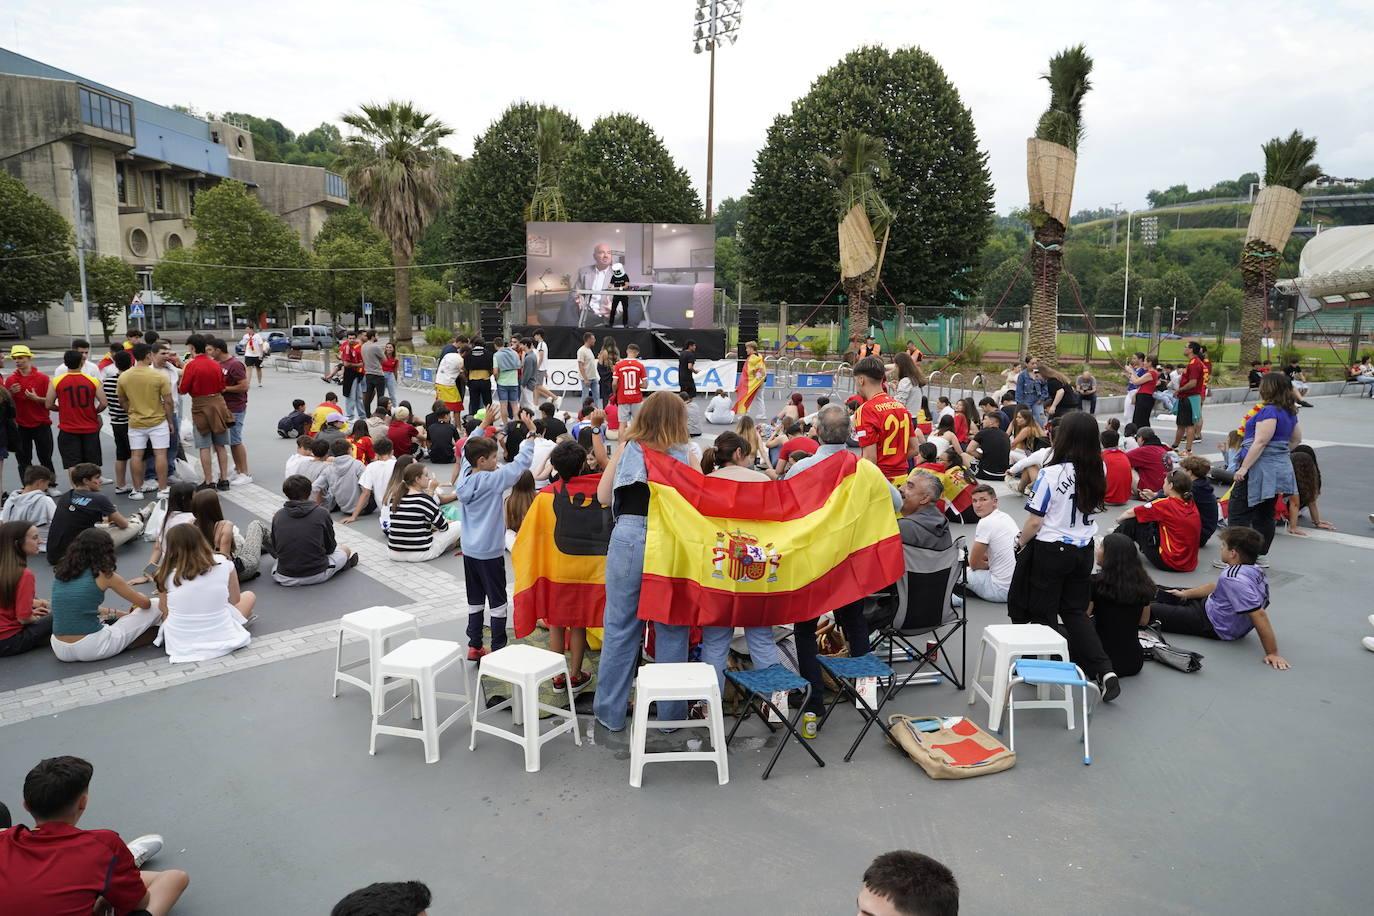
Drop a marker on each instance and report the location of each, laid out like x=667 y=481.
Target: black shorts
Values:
x=76 y=448
x=121 y=438
x=1184 y=417
x=1050 y=578
x=251 y=361
x=486 y=581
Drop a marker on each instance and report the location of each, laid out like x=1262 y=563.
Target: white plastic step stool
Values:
x=524 y=668
x=659 y=683
x=1008 y=642
x=378 y=625
x=421 y=661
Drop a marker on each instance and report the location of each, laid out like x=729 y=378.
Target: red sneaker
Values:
x=475 y=653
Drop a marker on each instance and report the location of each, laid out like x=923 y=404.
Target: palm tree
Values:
x=1051 y=162
x=863 y=218
x=1288 y=167
x=397 y=171
x=547 y=204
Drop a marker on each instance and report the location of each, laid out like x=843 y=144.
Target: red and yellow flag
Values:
x=560 y=557
x=750 y=382
x=724 y=552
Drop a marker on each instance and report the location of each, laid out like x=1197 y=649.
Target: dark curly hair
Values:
x=92 y=551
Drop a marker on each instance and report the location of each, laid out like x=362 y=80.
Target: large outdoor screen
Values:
x=666 y=276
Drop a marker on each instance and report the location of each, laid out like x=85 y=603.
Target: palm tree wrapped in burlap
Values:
x=1051 y=163
x=547 y=205
x=399 y=173
x=1288 y=167
x=863 y=218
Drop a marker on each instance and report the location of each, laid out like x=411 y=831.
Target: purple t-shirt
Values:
x=1283 y=425
x=1240 y=590
x=234 y=372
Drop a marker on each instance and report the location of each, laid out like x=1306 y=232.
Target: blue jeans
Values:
x=592 y=389
x=355 y=399
x=715 y=648
x=391 y=387
x=1038 y=413
x=623 y=631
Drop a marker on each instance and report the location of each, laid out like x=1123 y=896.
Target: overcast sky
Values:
x=1183 y=91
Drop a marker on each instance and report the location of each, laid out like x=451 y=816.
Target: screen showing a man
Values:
x=635 y=275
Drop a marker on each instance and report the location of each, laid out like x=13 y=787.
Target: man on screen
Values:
x=592 y=309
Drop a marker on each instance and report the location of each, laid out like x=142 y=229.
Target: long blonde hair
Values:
x=660 y=423
x=185 y=552
x=610 y=352
x=522 y=494
x=748 y=430
x=394 y=483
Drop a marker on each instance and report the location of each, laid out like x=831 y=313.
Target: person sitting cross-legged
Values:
x=992 y=559
x=58 y=868
x=1167 y=529
x=1229 y=608
x=303 y=539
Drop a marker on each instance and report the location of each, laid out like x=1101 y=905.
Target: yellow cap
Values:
x=20 y=350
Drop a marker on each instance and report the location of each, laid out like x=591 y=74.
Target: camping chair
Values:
x=845 y=672
x=923 y=600
x=758 y=686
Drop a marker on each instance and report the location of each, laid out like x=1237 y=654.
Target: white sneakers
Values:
x=1368 y=643
x=237 y=479
x=144 y=848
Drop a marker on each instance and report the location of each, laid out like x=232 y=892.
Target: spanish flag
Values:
x=958 y=484
x=560 y=557
x=750 y=382
x=733 y=553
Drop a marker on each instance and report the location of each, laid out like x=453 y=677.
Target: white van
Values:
x=312 y=337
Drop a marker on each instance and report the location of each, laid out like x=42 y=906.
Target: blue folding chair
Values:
x=845 y=671
x=758 y=686
x=1039 y=672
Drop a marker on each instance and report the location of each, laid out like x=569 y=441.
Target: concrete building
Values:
x=138 y=167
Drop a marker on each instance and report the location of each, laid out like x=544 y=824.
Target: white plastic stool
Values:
x=524 y=668
x=378 y=625
x=660 y=683
x=420 y=661
x=1010 y=641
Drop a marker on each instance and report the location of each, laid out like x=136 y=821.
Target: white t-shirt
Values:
x=541 y=350
x=999 y=532
x=450 y=367
x=1054 y=501
x=586 y=363
x=252 y=344
x=375 y=477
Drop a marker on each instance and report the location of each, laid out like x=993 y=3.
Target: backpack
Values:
x=1153 y=644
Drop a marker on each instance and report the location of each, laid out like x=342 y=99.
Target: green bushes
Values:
x=437 y=336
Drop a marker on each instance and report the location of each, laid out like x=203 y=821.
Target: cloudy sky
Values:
x=1184 y=91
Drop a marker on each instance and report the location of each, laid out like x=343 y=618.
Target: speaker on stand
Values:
x=748 y=327
x=491 y=322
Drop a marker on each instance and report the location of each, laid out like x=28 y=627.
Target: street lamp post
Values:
x=714 y=20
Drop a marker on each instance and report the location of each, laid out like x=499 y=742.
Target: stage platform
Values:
x=564 y=340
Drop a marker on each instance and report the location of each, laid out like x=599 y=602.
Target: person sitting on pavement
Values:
x=1204 y=497
x=418 y=530
x=1309 y=479
x=991 y=447
x=1167 y=529
x=303 y=539
x=32 y=504
x=373 y=481
x=360 y=442
x=1118 y=466
x=296 y=423
x=82 y=630
x=719 y=410
x=204 y=613
x=25 y=621
x=224 y=537
x=403 y=434
x=992 y=559
x=56 y=867
x=1148 y=461
x=1122 y=592
x=83 y=507
x=337 y=486
x=333 y=429
x=1229 y=608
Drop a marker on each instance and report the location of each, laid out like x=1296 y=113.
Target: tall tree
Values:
x=547 y=205
x=1288 y=166
x=235 y=239
x=730 y=215
x=110 y=285
x=396 y=169
x=619 y=171
x=485 y=218
x=937 y=181
x=1051 y=160
x=353 y=258
x=36 y=260
x=865 y=221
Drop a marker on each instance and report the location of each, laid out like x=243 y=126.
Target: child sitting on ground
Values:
x=336 y=488
x=1229 y=608
x=296 y=423
x=482 y=485
x=360 y=442
x=1204 y=497
x=441 y=435
x=1168 y=528
x=302 y=456
x=32 y=504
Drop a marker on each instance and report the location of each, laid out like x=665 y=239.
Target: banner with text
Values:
x=710 y=374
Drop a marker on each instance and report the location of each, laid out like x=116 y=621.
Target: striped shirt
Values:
x=110 y=385
x=413 y=523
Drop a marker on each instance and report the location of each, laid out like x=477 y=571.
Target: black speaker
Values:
x=492 y=323
x=748 y=327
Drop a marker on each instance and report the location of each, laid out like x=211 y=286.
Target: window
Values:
x=105 y=112
x=335 y=186
x=191 y=195
x=120 y=187
x=157 y=191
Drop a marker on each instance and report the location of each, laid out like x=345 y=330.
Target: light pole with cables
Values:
x=715 y=21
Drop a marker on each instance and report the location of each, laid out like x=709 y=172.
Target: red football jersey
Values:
x=883 y=422
x=629 y=381
x=76 y=411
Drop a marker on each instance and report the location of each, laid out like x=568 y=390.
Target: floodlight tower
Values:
x=715 y=21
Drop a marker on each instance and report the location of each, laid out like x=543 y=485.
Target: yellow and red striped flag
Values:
x=559 y=557
x=722 y=552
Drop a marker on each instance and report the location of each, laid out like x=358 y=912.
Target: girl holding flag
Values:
x=751 y=379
